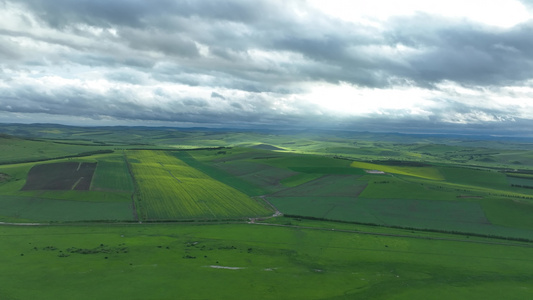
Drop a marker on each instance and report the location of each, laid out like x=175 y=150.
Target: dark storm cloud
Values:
x=463 y=52
x=124 y=105
x=169 y=44
x=64 y=13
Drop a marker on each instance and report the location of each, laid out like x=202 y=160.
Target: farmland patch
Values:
x=34 y=209
x=421 y=172
x=245 y=155
x=259 y=174
x=326 y=186
x=112 y=175
x=169 y=189
x=520 y=181
x=299 y=178
x=266 y=147
x=474 y=177
x=60 y=176
x=387 y=186
x=423 y=214
x=220 y=175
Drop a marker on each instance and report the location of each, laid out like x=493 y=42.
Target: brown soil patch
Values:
x=60 y=176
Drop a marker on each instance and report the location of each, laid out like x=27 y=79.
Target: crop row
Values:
x=170 y=189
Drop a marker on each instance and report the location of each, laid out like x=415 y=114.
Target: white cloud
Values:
x=346 y=99
x=501 y=13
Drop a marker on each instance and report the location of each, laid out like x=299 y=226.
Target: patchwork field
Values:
x=169 y=189
x=61 y=190
x=447 y=219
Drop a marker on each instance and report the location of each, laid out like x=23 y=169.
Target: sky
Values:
x=380 y=65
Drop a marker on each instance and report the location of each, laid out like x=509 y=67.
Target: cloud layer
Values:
x=264 y=63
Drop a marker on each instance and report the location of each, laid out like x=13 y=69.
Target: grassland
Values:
x=169 y=189
x=17 y=150
x=252 y=261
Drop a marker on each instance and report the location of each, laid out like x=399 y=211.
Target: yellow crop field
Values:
x=422 y=172
x=169 y=189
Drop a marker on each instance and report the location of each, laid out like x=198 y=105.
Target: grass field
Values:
x=252 y=262
x=15 y=150
x=169 y=189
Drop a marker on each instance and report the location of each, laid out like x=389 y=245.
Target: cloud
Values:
x=264 y=62
x=217 y=95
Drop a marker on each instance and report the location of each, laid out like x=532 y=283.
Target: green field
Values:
x=30 y=209
x=169 y=189
x=298 y=179
x=216 y=173
x=112 y=175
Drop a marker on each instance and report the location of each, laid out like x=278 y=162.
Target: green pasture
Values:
x=252 y=262
x=15 y=150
